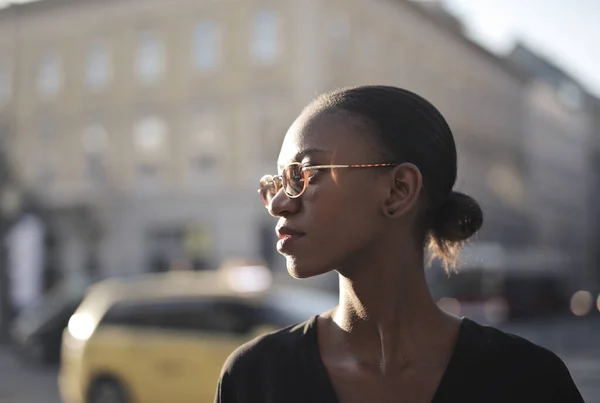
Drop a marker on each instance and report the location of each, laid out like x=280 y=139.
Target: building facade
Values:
x=594 y=195
x=559 y=140
x=159 y=117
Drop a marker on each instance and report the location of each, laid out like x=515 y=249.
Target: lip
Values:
x=287 y=237
x=285 y=232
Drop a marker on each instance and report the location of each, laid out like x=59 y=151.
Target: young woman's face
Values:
x=339 y=215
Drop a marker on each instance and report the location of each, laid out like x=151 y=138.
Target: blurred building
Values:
x=145 y=125
x=559 y=140
x=595 y=191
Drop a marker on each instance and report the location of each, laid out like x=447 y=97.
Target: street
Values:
x=22 y=384
x=575 y=341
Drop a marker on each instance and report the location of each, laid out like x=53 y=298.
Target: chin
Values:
x=301 y=268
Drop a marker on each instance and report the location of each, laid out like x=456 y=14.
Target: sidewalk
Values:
x=22 y=384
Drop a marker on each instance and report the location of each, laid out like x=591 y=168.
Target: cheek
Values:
x=343 y=221
x=338 y=226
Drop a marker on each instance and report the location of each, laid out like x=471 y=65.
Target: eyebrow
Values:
x=306 y=152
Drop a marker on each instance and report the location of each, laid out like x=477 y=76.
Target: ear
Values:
x=405 y=183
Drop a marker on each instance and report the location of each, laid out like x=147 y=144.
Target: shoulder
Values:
x=264 y=349
x=492 y=343
x=255 y=367
x=512 y=361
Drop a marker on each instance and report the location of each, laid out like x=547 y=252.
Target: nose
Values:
x=282 y=206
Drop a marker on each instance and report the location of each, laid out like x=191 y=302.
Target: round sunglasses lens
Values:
x=293 y=179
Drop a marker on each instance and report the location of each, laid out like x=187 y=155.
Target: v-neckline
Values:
x=325 y=384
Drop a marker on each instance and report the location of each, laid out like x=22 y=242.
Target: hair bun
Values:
x=459 y=217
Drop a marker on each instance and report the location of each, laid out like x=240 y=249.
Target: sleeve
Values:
x=232 y=383
x=244 y=373
x=565 y=390
x=226 y=391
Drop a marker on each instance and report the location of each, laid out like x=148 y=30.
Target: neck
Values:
x=387 y=314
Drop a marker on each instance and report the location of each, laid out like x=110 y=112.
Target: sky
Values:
x=567 y=32
x=5 y=2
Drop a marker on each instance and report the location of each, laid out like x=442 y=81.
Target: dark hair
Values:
x=410 y=129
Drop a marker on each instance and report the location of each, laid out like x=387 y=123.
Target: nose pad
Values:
x=277 y=183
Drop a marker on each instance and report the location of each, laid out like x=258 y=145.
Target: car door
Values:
x=207 y=332
x=179 y=344
x=172 y=350
x=130 y=346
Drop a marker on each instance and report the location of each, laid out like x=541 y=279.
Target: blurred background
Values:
x=133 y=134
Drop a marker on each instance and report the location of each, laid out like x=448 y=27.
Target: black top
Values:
x=487 y=366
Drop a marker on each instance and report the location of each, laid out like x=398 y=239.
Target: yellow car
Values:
x=164 y=338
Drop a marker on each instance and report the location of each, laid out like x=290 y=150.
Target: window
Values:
x=150 y=57
x=283 y=307
x=205 y=145
x=94 y=140
x=150 y=140
x=150 y=136
x=50 y=75
x=207 y=46
x=264 y=47
x=196 y=315
x=211 y=317
x=133 y=314
x=98 y=69
x=5 y=84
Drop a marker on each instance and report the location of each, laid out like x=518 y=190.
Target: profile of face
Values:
x=333 y=216
x=339 y=215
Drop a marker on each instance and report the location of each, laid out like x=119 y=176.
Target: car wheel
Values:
x=107 y=391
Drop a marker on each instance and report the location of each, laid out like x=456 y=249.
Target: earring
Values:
x=391 y=211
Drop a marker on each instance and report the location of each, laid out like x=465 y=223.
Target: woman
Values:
x=365 y=188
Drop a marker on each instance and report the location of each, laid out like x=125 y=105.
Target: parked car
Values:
x=36 y=332
x=164 y=338
x=501 y=294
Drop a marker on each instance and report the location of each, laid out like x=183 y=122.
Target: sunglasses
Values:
x=294 y=179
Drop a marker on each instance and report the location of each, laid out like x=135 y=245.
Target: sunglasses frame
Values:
x=279 y=181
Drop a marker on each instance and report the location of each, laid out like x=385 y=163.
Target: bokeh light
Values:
x=581 y=303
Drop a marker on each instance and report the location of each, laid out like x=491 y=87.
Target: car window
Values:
x=220 y=316
x=133 y=314
x=190 y=315
x=290 y=305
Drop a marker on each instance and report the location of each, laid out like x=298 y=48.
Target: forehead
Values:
x=338 y=137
